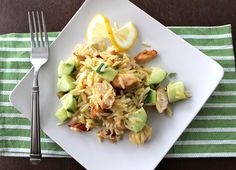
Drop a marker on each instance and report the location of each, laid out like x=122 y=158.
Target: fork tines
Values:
x=39 y=38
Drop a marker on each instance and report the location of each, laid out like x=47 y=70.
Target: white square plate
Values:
x=200 y=74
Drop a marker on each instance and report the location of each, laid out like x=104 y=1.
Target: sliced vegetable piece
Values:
x=157 y=75
x=65 y=68
x=101 y=68
x=69 y=102
x=61 y=114
x=176 y=91
x=106 y=72
x=65 y=83
x=60 y=94
x=136 y=121
x=171 y=75
x=151 y=98
x=71 y=60
x=162 y=99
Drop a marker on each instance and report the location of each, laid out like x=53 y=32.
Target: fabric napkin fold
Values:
x=211 y=133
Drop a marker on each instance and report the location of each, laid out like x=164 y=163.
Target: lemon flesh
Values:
x=100 y=29
x=125 y=37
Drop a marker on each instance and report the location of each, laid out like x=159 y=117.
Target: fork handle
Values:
x=35 y=152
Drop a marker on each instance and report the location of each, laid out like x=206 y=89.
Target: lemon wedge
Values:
x=125 y=37
x=100 y=29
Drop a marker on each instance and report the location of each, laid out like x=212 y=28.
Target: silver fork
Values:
x=39 y=56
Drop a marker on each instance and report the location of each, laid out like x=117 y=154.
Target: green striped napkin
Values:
x=211 y=133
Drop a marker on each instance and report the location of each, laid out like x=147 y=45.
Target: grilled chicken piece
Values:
x=125 y=81
x=145 y=56
x=106 y=101
x=162 y=100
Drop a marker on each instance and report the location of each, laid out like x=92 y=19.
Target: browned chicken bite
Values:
x=104 y=100
x=125 y=81
x=145 y=56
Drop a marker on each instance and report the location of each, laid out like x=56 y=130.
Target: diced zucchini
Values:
x=176 y=91
x=69 y=103
x=101 y=68
x=151 y=98
x=157 y=76
x=106 y=72
x=61 y=114
x=65 y=68
x=65 y=83
x=136 y=120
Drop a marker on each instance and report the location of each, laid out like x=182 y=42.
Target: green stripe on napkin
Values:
x=211 y=133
